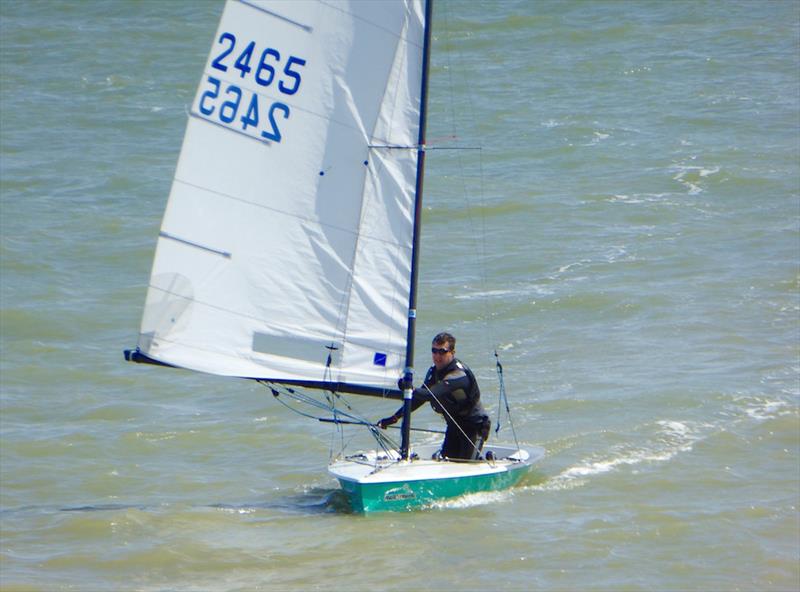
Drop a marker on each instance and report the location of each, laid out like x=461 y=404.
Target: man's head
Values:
x=443 y=349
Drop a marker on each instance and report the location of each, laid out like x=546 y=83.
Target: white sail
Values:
x=288 y=232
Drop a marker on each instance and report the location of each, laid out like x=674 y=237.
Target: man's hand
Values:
x=387 y=421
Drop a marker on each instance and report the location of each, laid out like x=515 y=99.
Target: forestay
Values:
x=288 y=232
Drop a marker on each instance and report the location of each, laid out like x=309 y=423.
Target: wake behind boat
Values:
x=289 y=249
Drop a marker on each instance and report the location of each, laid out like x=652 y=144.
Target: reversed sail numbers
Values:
x=240 y=108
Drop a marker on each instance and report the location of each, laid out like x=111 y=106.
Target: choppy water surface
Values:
x=639 y=190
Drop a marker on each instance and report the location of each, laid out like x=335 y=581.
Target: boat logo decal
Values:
x=399 y=494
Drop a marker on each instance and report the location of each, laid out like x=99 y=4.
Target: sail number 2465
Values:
x=249 y=111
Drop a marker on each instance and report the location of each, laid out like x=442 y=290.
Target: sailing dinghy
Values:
x=288 y=252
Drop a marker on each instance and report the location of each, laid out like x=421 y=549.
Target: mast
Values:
x=408 y=375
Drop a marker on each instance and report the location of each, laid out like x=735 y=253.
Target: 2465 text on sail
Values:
x=240 y=108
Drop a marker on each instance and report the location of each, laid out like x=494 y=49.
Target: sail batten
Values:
x=288 y=258
x=365 y=234
x=258 y=6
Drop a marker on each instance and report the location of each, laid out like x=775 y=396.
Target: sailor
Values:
x=452 y=390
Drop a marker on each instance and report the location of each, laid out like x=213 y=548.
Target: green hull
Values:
x=407 y=495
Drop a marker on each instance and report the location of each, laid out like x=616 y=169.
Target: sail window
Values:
x=296 y=347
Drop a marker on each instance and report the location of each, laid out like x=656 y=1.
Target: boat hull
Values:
x=378 y=483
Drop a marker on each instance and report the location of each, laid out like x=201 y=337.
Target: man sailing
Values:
x=452 y=390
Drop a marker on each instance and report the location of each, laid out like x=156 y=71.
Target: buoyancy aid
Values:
x=454 y=389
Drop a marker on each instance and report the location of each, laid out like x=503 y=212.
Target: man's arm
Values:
x=452 y=393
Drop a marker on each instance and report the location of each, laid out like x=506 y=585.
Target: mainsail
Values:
x=285 y=252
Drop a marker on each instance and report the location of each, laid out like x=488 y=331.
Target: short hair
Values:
x=446 y=338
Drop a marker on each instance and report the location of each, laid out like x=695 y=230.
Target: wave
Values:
x=691 y=176
x=763 y=409
x=668 y=439
x=671 y=439
x=472 y=500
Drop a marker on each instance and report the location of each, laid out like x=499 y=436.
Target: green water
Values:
x=628 y=237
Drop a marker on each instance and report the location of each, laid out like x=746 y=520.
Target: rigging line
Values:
x=391 y=32
x=499 y=370
x=426 y=147
x=326 y=376
x=282 y=402
x=452 y=419
x=452 y=50
x=383 y=441
x=504 y=398
x=307 y=400
x=479 y=246
x=365 y=423
x=446 y=53
x=478 y=236
x=331 y=395
x=299 y=397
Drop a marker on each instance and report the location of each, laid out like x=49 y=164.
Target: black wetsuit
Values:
x=454 y=393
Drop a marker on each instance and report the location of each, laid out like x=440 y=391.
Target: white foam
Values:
x=484 y=294
x=675 y=427
x=581 y=263
x=474 y=499
x=763 y=410
x=707 y=172
x=598 y=137
x=681 y=171
x=673 y=438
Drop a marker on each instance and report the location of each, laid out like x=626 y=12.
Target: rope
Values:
x=332 y=401
x=477 y=222
x=452 y=420
x=503 y=398
x=384 y=441
x=387 y=444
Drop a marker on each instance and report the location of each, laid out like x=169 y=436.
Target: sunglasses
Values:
x=439 y=350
